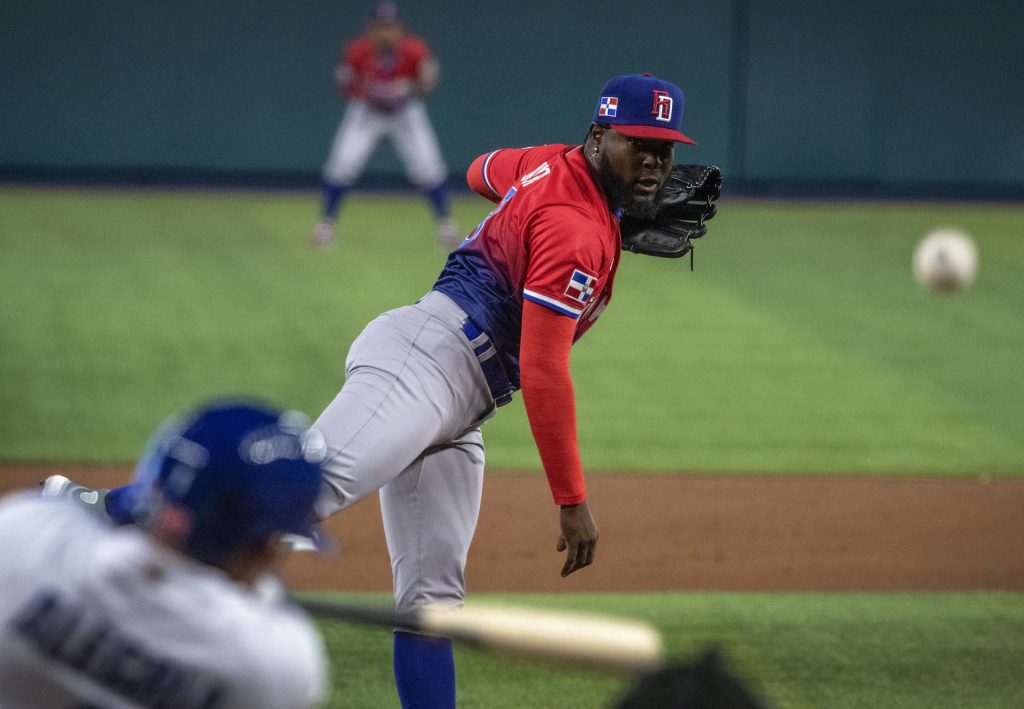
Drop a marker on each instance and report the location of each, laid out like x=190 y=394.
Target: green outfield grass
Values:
x=805 y=651
x=799 y=344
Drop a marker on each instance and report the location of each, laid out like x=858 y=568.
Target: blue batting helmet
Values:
x=243 y=471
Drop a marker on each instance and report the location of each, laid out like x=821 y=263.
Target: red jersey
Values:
x=383 y=79
x=551 y=240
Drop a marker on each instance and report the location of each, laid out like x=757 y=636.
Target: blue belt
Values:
x=490 y=363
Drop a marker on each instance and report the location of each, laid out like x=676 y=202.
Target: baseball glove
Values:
x=685 y=202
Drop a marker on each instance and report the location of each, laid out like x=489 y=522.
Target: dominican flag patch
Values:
x=609 y=106
x=581 y=286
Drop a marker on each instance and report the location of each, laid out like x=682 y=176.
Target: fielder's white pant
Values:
x=408 y=127
x=407 y=422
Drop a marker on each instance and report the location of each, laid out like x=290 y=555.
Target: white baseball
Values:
x=945 y=260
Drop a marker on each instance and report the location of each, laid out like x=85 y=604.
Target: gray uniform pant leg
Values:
x=430 y=513
x=407 y=422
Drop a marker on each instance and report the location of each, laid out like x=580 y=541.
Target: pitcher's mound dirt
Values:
x=689 y=532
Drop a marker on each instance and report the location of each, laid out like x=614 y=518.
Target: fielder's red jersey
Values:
x=384 y=78
x=552 y=239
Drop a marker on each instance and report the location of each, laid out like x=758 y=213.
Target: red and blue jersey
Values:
x=552 y=240
x=384 y=79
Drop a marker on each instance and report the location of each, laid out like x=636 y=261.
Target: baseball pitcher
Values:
x=525 y=285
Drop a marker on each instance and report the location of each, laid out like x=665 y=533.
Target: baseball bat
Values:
x=601 y=642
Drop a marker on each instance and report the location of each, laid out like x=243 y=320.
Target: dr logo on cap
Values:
x=643 y=106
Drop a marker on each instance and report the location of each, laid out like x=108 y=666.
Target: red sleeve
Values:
x=354 y=54
x=416 y=49
x=478 y=179
x=549 y=399
x=349 y=73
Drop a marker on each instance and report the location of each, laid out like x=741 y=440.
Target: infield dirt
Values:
x=699 y=532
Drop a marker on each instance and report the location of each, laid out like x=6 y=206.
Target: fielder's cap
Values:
x=245 y=472
x=385 y=11
x=643 y=106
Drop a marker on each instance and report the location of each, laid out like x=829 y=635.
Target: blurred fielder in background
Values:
x=178 y=609
x=384 y=74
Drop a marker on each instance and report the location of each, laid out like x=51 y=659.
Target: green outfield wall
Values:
x=863 y=93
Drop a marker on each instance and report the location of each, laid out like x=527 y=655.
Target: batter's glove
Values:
x=685 y=202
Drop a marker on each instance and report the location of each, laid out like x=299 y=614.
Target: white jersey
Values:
x=97 y=616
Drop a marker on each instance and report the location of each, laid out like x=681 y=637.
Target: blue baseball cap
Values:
x=643 y=106
x=245 y=472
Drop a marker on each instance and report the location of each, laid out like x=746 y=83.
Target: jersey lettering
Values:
x=63 y=631
x=543 y=171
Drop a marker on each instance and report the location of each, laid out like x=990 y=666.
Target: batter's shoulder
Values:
x=43 y=535
x=27 y=511
x=287 y=655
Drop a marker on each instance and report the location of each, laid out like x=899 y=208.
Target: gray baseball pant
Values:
x=409 y=128
x=407 y=422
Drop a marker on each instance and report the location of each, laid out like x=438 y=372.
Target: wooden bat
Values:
x=596 y=641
